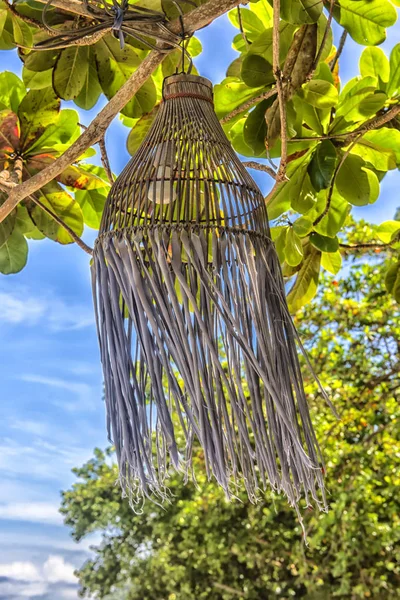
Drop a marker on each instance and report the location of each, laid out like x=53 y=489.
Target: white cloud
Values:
x=37 y=512
x=49 y=309
x=82 y=390
x=27 y=580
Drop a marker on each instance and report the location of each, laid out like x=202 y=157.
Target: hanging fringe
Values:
x=197 y=343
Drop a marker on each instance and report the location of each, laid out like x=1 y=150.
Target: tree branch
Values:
x=196 y=19
x=281 y=174
x=339 y=51
x=259 y=167
x=248 y=104
x=323 y=41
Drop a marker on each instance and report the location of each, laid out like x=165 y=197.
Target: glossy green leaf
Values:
x=263 y=44
x=294 y=248
x=324 y=243
x=140 y=130
x=38 y=109
x=91 y=89
x=322 y=165
x=392 y=281
x=299 y=12
x=92 y=205
x=26 y=226
x=22 y=33
x=115 y=66
x=255 y=128
x=6 y=226
x=252 y=25
x=13 y=253
x=335 y=218
x=306 y=197
x=306 y=284
x=256 y=71
x=380 y=147
x=385 y=231
x=357 y=184
x=12 y=90
x=280 y=244
x=331 y=261
x=62 y=130
x=63 y=205
x=320 y=94
x=36 y=80
x=281 y=201
x=358 y=103
x=70 y=71
x=393 y=87
x=40 y=60
x=374 y=62
x=230 y=94
x=302 y=226
x=366 y=20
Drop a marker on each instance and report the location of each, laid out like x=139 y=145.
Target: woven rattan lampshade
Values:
x=195 y=335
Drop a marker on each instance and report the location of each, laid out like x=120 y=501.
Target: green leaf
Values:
x=392 y=281
x=13 y=253
x=357 y=184
x=335 y=218
x=91 y=88
x=380 y=147
x=366 y=20
x=63 y=205
x=322 y=165
x=263 y=44
x=38 y=109
x=385 y=231
x=289 y=191
x=374 y=62
x=7 y=226
x=393 y=87
x=26 y=226
x=324 y=243
x=306 y=284
x=140 y=130
x=63 y=130
x=358 y=103
x=236 y=136
x=40 y=61
x=36 y=80
x=305 y=197
x=294 y=248
x=280 y=244
x=302 y=226
x=255 y=128
x=12 y=90
x=331 y=261
x=92 y=205
x=320 y=93
x=69 y=72
x=301 y=11
x=256 y=71
x=229 y=94
x=115 y=66
x=252 y=25
x=22 y=33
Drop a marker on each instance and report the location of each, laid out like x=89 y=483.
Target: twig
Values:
x=373 y=123
x=104 y=160
x=335 y=174
x=339 y=50
x=196 y=19
x=104 y=156
x=79 y=242
x=281 y=175
x=259 y=167
x=72 y=6
x=246 y=41
x=29 y=20
x=248 y=104
x=323 y=41
x=371 y=245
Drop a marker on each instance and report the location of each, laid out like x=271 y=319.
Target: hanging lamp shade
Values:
x=195 y=336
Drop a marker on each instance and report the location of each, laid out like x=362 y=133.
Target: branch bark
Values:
x=196 y=19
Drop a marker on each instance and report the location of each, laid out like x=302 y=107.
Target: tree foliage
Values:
x=201 y=546
x=340 y=140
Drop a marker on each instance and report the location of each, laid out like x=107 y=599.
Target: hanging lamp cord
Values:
x=184 y=37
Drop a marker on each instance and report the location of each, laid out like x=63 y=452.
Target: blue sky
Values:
x=52 y=412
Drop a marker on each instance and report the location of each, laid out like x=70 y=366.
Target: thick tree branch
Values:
x=196 y=19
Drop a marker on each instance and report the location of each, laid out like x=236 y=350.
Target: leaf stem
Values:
x=248 y=104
